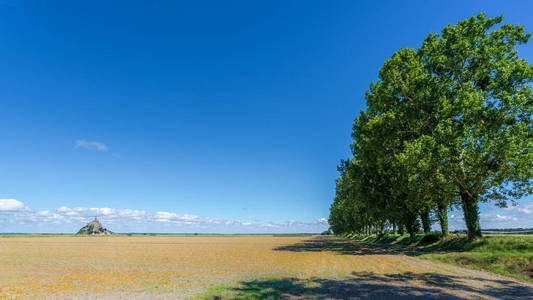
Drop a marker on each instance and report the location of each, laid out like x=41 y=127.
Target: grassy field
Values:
x=175 y=266
x=227 y=267
x=509 y=255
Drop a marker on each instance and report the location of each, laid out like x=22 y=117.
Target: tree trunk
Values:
x=442 y=212
x=471 y=214
x=426 y=223
x=394 y=228
x=401 y=229
x=412 y=227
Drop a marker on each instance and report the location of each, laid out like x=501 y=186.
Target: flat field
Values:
x=231 y=267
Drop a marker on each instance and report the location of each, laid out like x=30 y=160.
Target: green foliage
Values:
x=449 y=123
x=430 y=238
x=86 y=230
x=485 y=136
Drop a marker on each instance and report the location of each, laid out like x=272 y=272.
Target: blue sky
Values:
x=208 y=116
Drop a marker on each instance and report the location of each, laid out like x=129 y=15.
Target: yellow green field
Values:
x=228 y=267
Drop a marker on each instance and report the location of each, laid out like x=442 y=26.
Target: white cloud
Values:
x=15 y=216
x=67 y=219
x=321 y=221
x=524 y=208
x=519 y=216
x=91 y=145
x=500 y=217
x=11 y=205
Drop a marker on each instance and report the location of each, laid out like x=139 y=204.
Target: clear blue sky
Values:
x=227 y=110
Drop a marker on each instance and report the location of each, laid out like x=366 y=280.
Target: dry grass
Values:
x=245 y=267
x=170 y=266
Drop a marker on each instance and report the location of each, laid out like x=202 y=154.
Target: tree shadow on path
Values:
x=365 y=285
x=352 y=247
x=337 y=245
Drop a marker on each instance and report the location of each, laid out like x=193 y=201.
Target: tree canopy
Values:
x=448 y=123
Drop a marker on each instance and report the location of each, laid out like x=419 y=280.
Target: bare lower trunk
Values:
x=426 y=223
x=442 y=212
x=412 y=226
x=471 y=214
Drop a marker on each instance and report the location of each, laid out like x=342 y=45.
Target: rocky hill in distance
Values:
x=94 y=228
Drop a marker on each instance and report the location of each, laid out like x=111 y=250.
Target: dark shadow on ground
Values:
x=352 y=247
x=333 y=244
x=377 y=286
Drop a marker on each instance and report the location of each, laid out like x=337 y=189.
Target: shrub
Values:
x=430 y=238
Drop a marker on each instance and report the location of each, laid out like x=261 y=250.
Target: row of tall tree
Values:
x=447 y=124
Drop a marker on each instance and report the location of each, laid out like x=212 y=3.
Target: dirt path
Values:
x=398 y=276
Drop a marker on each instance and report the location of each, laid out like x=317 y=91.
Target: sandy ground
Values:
x=169 y=267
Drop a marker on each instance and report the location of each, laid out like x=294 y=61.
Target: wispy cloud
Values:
x=67 y=219
x=15 y=216
x=519 y=216
x=11 y=205
x=97 y=146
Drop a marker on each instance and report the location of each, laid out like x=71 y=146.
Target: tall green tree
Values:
x=485 y=132
x=403 y=103
x=447 y=123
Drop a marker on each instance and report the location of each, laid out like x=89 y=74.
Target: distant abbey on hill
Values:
x=94 y=228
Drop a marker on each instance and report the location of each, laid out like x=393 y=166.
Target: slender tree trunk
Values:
x=471 y=214
x=394 y=228
x=442 y=212
x=412 y=226
x=401 y=229
x=426 y=224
